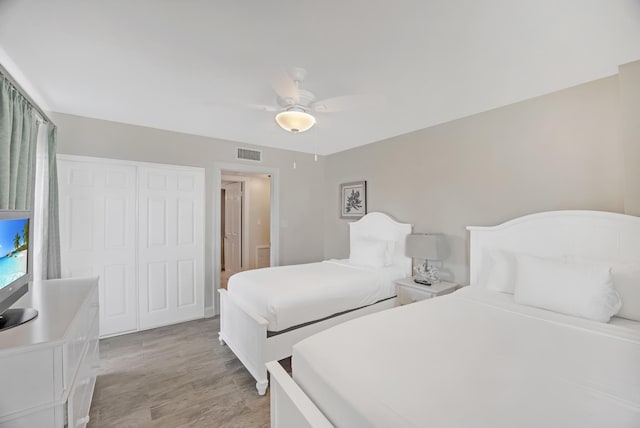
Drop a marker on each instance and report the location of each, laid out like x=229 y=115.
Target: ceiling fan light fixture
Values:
x=295 y=121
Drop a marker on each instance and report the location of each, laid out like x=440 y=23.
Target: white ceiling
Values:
x=194 y=66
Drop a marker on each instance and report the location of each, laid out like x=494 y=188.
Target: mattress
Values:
x=288 y=296
x=473 y=359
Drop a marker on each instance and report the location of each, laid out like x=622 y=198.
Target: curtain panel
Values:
x=19 y=126
x=53 y=261
x=47 y=263
x=18 y=135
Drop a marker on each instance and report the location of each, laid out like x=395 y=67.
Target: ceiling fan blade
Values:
x=285 y=86
x=347 y=103
x=264 y=107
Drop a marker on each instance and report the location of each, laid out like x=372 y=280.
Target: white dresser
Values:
x=48 y=366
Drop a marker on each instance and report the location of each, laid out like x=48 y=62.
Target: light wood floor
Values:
x=176 y=376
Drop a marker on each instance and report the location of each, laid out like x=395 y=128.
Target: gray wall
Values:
x=630 y=134
x=574 y=149
x=558 y=151
x=301 y=237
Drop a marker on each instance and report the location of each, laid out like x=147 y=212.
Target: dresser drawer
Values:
x=47 y=417
x=411 y=295
x=77 y=411
x=79 y=335
x=21 y=392
x=82 y=390
x=79 y=402
x=93 y=352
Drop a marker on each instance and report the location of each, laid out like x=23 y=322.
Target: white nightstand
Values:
x=409 y=292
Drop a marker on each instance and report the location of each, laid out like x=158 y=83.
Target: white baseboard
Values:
x=209 y=312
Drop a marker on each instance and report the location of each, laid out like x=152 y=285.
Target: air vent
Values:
x=251 y=155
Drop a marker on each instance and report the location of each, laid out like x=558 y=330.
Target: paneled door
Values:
x=233 y=228
x=170 y=245
x=98 y=234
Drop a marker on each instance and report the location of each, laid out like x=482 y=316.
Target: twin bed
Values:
x=266 y=311
x=490 y=355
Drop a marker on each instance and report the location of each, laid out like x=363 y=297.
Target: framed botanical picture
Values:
x=353 y=199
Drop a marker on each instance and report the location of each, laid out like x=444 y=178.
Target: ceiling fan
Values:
x=296 y=105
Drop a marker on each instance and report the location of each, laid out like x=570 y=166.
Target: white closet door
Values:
x=171 y=245
x=98 y=235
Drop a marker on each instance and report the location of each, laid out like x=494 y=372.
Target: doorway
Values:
x=274 y=231
x=245 y=222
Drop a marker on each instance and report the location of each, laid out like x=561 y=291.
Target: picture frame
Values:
x=353 y=199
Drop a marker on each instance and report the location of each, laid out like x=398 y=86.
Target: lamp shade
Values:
x=295 y=121
x=428 y=246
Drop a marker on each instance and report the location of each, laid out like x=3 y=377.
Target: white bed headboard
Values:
x=380 y=226
x=593 y=235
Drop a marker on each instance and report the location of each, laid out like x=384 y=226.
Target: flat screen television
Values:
x=15 y=267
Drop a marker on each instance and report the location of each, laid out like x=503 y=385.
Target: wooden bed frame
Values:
x=245 y=332
x=593 y=235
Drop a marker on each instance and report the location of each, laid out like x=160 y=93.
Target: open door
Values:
x=233 y=228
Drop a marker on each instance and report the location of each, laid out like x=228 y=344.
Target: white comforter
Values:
x=473 y=359
x=287 y=296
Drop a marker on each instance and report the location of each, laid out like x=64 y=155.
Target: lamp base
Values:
x=428 y=274
x=433 y=274
x=422 y=282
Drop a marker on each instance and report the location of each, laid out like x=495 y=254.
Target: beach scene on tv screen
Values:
x=14 y=244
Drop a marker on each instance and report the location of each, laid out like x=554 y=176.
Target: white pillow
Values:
x=498 y=271
x=626 y=278
x=368 y=252
x=578 y=289
x=388 y=255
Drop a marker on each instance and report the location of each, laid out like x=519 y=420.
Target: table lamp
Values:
x=426 y=246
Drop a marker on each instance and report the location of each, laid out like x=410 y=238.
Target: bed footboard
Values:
x=245 y=333
x=290 y=406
